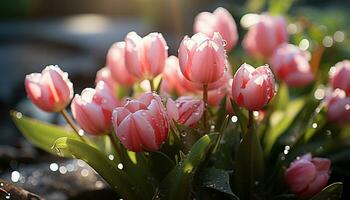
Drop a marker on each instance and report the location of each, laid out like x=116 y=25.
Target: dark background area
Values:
x=76 y=36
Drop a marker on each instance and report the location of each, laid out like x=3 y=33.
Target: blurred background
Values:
x=76 y=36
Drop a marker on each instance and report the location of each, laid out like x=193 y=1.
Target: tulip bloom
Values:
x=116 y=65
x=93 y=109
x=219 y=21
x=50 y=90
x=290 y=64
x=265 y=36
x=338 y=106
x=186 y=110
x=142 y=124
x=202 y=59
x=253 y=88
x=340 y=76
x=145 y=57
x=307 y=176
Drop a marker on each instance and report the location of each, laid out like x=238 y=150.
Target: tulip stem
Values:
x=151 y=83
x=70 y=121
x=114 y=142
x=205 y=99
x=250 y=119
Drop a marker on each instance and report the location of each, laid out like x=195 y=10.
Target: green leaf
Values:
x=280 y=121
x=178 y=182
x=242 y=119
x=249 y=171
x=217 y=179
x=331 y=192
x=160 y=164
x=41 y=134
x=115 y=177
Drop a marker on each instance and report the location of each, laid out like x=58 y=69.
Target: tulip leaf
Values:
x=249 y=169
x=217 y=179
x=160 y=164
x=332 y=192
x=280 y=121
x=108 y=169
x=41 y=134
x=177 y=183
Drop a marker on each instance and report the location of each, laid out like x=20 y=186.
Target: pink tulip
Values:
x=265 y=36
x=93 y=109
x=217 y=95
x=104 y=74
x=186 y=110
x=145 y=57
x=338 y=106
x=219 y=21
x=142 y=124
x=253 y=88
x=307 y=176
x=202 y=59
x=340 y=77
x=50 y=90
x=290 y=64
x=116 y=64
x=173 y=81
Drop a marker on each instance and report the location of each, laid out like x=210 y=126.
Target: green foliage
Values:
x=41 y=134
x=331 y=192
x=108 y=169
x=178 y=182
x=217 y=179
x=250 y=165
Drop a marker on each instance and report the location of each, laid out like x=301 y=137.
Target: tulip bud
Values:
x=253 y=88
x=187 y=110
x=93 y=109
x=104 y=74
x=202 y=59
x=142 y=124
x=50 y=90
x=338 y=106
x=173 y=80
x=116 y=64
x=290 y=64
x=219 y=21
x=340 y=76
x=265 y=36
x=307 y=176
x=145 y=57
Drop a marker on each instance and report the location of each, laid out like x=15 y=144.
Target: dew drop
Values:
x=53 y=167
x=183 y=134
x=19 y=115
x=314 y=125
x=81 y=132
x=120 y=166
x=111 y=157
x=84 y=172
x=15 y=176
x=234 y=119
x=347 y=107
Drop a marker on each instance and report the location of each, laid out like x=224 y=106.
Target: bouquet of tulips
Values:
x=195 y=127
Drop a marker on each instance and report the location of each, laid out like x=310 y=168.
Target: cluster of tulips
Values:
x=200 y=79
